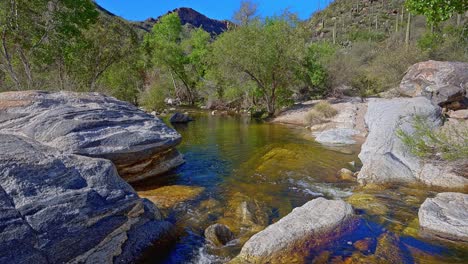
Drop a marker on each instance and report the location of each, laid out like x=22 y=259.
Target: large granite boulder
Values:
x=386 y=159
x=384 y=156
x=446 y=216
x=93 y=125
x=66 y=208
x=442 y=82
x=317 y=222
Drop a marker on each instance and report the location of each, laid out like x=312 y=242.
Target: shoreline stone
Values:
x=59 y=207
x=93 y=125
x=445 y=216
x=315 y=223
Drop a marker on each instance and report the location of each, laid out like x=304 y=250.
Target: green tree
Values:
x=183 y=58
x=268 y=53
x=109 y=42
x=437 y=11
x=35 y=33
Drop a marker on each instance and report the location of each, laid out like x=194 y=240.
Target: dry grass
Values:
x=325 y=109
x=314 y=118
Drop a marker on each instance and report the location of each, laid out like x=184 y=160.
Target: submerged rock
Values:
x=180 y=118
x=93 y=125
x=169 y=196
x=442 y=82
x=346 y=175
x=219 y=235
x=315 y=223
x=61 y=208
x=368 y=202
x=446 y=216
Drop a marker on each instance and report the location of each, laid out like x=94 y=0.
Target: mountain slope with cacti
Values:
x=345 y=21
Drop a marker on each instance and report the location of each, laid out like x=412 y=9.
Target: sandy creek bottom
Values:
x=233 y=161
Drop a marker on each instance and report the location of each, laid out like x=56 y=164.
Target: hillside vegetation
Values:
x=352 y=47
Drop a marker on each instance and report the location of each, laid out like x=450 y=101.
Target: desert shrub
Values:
x=325 y=109
x=314 y=118
x=449 y=142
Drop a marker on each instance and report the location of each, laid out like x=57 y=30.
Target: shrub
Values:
x=325 y=109
x=314 y=118
x=153 y=98
x=449 y=142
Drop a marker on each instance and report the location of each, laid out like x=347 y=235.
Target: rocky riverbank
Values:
x=438 y=94
x=63 y=199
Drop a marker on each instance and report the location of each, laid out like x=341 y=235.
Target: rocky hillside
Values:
x=188 y=17
x=363 y=20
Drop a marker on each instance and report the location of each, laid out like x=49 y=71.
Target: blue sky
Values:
x=137 y=10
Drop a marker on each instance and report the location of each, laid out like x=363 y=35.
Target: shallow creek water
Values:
x=278 y=168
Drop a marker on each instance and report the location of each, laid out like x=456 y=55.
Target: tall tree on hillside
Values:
x=33 y=33
x=437 y=11
x=246 y=13
x=268 y=53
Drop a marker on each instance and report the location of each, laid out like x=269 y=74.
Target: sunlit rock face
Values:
x=445 y=83
x=66 y=208
x=386 y=159
x=287 y=241
x=446 y=216
x=93 y=125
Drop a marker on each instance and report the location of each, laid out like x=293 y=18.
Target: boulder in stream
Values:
x=180 y=118
x=66 y=208
x=218 y=234
x=446 y=216
x=317 y=222
x=94 y=125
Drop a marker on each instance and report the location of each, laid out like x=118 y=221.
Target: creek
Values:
x=277 y=168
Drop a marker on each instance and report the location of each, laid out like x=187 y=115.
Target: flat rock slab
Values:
x=60 y=208
x=337 y=136
x=93 y=125
x=446 y=216
x=316 y=222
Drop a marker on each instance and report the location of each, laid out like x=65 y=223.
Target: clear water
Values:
x=281 y=168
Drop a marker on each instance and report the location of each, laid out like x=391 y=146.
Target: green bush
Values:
x=153 y=98
x=449 y=142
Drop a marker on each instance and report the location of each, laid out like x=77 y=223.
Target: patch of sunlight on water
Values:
x=271 y=169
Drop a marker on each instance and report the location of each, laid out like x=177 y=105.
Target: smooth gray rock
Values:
x=445 y=216
x=384 y=156
x=180 y=118
x=442 y=82
x=93 y=125
x=319 y=220
x=340 y=136
x=58 y=208
x=386 y=159
x=218 y=234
